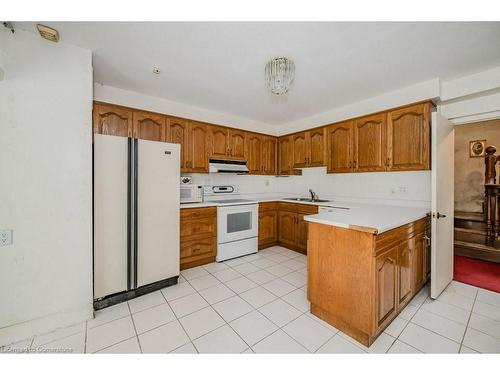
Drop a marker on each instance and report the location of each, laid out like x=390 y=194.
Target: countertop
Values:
x=370 y=218
x=259 y=199
x=377 y=218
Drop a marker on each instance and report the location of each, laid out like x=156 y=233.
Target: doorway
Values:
x=477 y=204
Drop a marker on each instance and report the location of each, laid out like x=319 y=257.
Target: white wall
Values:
x=421 y=91
x=115 y=95
x=395 y=188
x=45 y=185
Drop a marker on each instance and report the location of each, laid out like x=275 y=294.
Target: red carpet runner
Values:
x=476 y=272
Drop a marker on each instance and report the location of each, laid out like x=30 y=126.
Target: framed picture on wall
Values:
x=477 y=148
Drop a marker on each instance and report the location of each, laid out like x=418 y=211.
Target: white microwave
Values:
x=191 y=193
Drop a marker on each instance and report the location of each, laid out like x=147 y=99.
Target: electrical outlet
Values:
x=267 y=183
x=5 y=237
x=403 y=189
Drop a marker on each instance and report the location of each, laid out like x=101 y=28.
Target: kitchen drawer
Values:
x=201 y=227
x=291 y=207
x=195 y=213
x=268 y=206
x=197 y=249
x=399 y=234
x=307 y=209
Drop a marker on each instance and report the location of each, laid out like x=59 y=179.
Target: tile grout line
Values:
x=222 y=320
x=254 y=309
x=85 y=343
x=133 y=322
x=468 y=321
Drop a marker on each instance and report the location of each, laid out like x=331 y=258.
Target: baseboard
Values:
x=49 y=323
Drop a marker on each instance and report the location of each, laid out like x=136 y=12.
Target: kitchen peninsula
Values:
x=365 y=265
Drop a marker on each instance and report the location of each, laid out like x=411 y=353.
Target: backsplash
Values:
x=395 y=188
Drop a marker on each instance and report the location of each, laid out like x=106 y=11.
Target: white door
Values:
x=443 y=148
x=110 y=214
x=158 y=194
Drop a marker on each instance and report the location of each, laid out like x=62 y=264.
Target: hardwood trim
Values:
x=196 y=263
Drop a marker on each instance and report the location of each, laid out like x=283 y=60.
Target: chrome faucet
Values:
x=314 y=196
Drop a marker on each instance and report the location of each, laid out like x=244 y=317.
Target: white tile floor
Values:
x=258 y=304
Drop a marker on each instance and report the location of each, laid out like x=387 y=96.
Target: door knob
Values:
x=438 y=215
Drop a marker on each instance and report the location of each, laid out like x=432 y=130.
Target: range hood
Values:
x=227 y=166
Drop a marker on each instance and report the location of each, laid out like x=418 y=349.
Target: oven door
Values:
x=237 y=222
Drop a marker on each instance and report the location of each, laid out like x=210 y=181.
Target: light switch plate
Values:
x=5 y=237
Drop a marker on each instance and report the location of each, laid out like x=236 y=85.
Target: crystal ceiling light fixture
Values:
x=280 y=73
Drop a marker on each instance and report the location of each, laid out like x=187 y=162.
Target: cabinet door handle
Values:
x=388 y=161
x=354 y=164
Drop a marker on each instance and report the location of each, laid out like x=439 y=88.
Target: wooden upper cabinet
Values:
x=340 y=147
x=408 y=138
x=316 y=147
x=269 y=155
x=309 y=148
x=226 y=143
x=112 y=120
x=254 y=153
x=237 y=144
x=198 y=147
x=285 y=155
x=300 y=150
x=177 y=132
x=370 y=143
x=149 y=126
x=219 y=142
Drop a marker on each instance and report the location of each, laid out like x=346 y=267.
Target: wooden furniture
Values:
x=292 y=228
x=149 y=126
x=358 y=280
x=396 y=140
x=227 y=143
x=370 y=143
x=393 y=140
x=198 y=236
x=261 y=154
x=408 y=138
x=199 y=141
x=340 y=144
x=309 y=148
x=268 y=224
x=112 y=120
x=269 y=155
x=254 y=153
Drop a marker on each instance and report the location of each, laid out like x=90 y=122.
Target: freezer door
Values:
x=157 y=207
x=110 y=214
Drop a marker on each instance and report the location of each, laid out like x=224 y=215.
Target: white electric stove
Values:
x=237 y=222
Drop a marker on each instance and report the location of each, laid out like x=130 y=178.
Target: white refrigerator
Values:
x=136 y=217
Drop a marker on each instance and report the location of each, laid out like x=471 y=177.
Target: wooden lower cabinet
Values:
x=405 y=272
x=292 y=227
x=198 y=236
x=360 y=292
x=386 y=275
x=287 y=228
x=268 y=224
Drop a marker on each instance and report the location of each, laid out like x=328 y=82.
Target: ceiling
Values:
x=220 y=66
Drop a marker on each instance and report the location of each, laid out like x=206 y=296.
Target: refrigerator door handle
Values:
x=134 y=231
x=132 y=214
x=130 y=218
